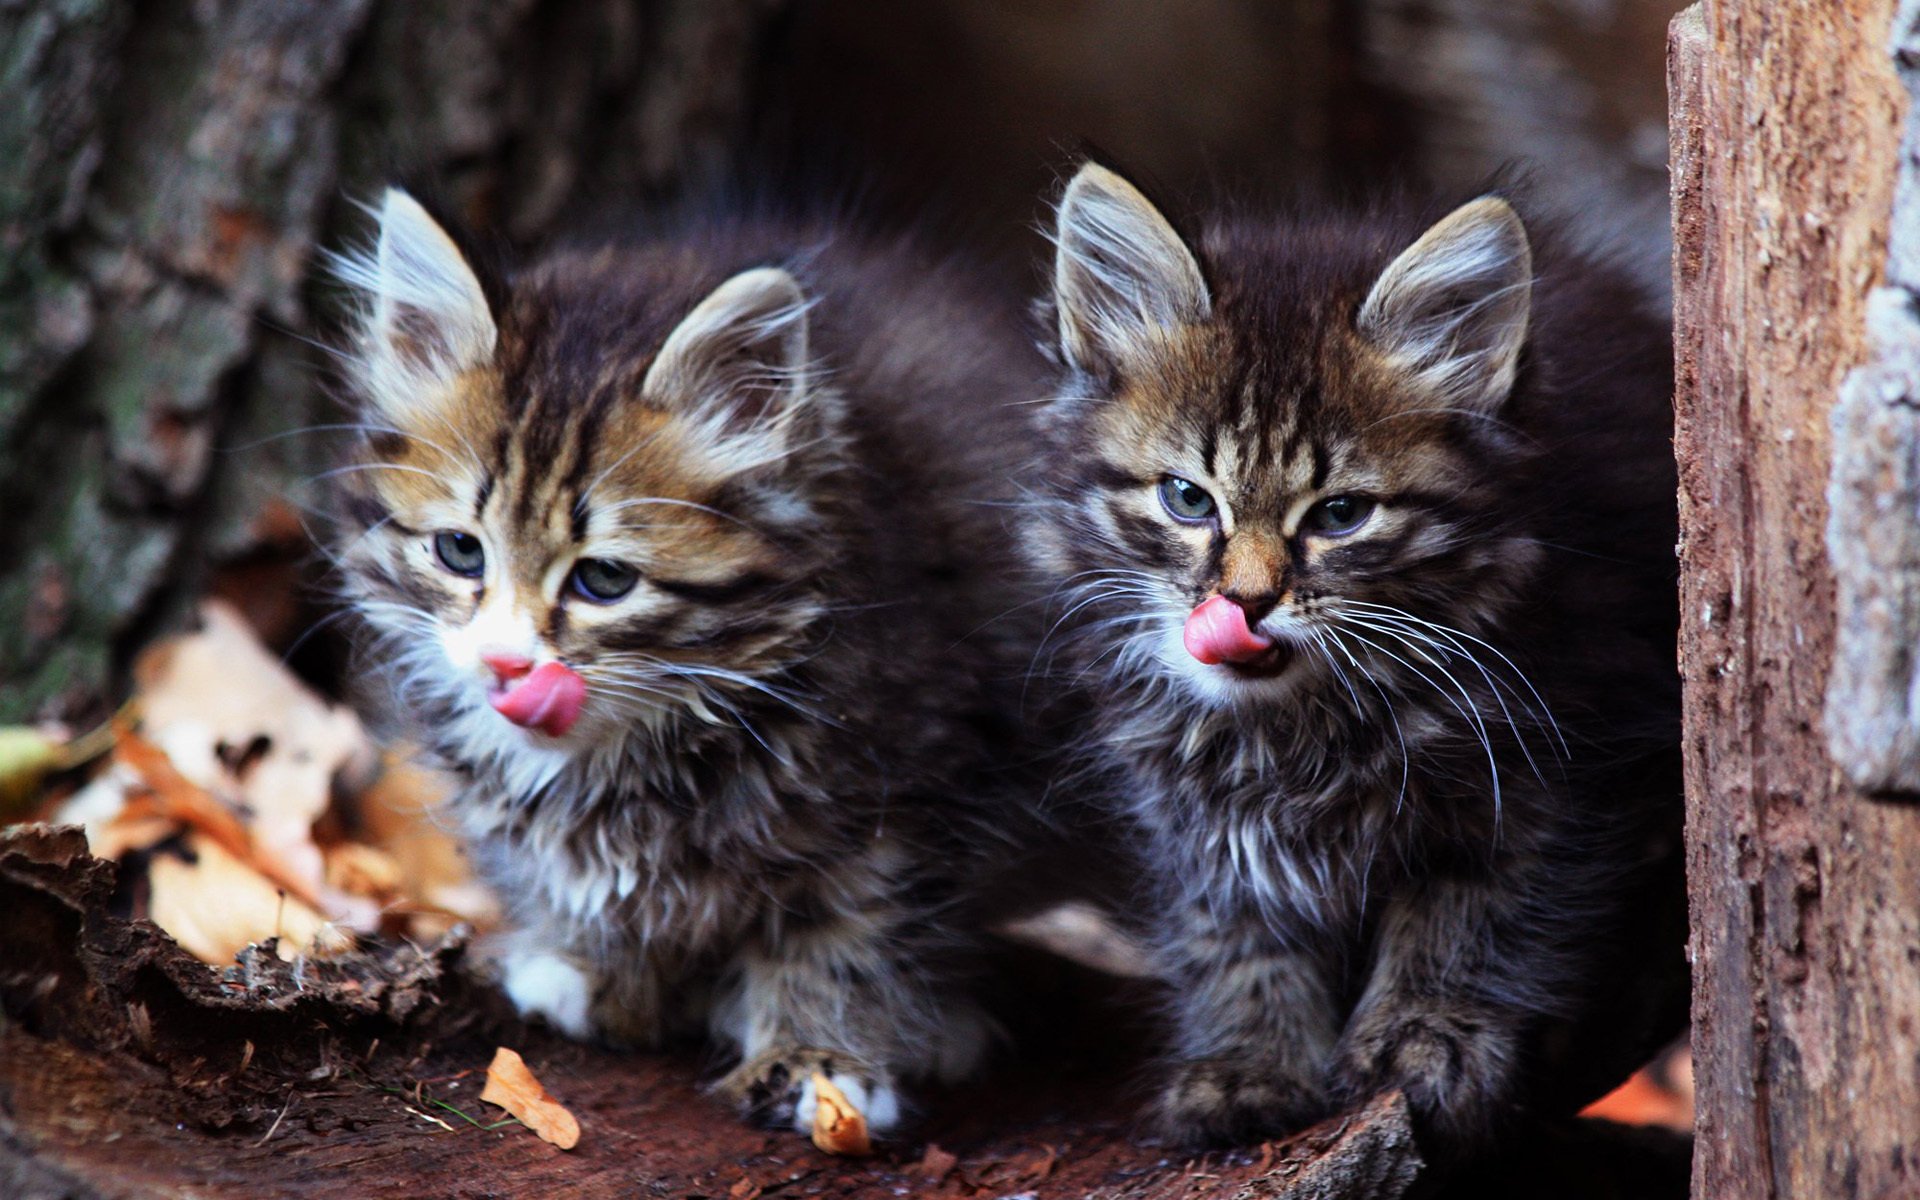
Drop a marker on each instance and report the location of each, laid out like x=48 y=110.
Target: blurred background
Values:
x=170 y=170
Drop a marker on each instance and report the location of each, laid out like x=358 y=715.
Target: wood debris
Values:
x=512 y=1086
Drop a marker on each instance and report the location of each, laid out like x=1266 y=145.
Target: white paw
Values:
x=543 y=985
x=881 y=1106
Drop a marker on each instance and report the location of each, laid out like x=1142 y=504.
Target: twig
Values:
x=291 y=1097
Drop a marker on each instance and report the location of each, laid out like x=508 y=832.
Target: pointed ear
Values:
x=740 y=355
x=1453 y=308
x=427 y=318
x=1121 y=274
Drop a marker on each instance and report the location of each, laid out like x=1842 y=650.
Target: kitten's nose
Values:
x=505 y=664
x=1255 y=604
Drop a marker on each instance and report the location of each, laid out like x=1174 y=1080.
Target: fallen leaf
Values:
x=400 y=814
x=363 y=871
x=236 y=723
x=1039 y=1168
x=744 y=1189
x=838 y=1127
x=936 y=1164
x=215 y=905
x=512 y=1086
x=27 y=756
x=168 y=793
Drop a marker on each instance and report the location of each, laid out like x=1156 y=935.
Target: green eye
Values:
x=603 y=580
x=1187 y=501
x=1337 y=516
x=460 y=553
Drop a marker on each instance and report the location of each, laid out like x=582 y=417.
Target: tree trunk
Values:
x=1806 y=901
x=167 y=170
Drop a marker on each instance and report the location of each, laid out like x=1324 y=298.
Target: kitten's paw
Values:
x=1455 y=1064
x=775 y=1088
x=1222 y=1102
x=546 y=985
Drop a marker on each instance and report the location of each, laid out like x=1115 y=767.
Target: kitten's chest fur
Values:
x=1308 y=817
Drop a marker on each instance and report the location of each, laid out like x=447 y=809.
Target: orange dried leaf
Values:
x=936 y=1164
x=838 y=1127
x=512 y=1086
x=216 y=904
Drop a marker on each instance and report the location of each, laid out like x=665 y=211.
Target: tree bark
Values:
x=168 y=169
x=1806 y=903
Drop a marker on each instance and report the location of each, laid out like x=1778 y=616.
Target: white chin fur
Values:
x=543 y=985
x=881 y=1107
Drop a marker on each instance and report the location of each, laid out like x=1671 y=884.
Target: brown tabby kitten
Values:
x=690 y=571
x=1370 y=536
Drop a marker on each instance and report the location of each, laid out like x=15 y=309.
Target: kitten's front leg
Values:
x=848 y=997
x=1255 y=1024
x=1439 y=1018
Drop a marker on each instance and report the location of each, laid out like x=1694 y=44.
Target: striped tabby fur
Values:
x=766 y=820
x=1411 y=845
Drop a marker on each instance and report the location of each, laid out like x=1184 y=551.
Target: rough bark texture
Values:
x=1806 y=904
x=1873 y=531
x=167 y=169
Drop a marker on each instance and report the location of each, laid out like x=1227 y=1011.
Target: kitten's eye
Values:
x=460 y=553
x=1337 y=516
x=1186 y=500
x=602 y=580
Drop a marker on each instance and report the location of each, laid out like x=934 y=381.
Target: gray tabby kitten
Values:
x=1367 y=521
x=682 y=552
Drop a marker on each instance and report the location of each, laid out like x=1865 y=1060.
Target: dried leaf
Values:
x=400 y=816
x=744 y=1189
x=170 y=794
x=1039 y=1168
x=363 y=871
x=217 y=905
x=237 y=724
x=838 y=1127
x=512 y=1086
x=26 y=757
x=936 y=1164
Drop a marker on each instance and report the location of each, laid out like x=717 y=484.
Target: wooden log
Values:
x=1806 y=903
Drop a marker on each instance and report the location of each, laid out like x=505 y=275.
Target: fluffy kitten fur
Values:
x=764 y=823
x=1413 y=846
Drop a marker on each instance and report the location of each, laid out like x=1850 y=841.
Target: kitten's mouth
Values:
x=1265 y=665
x=549 y=699
x=1217 y=634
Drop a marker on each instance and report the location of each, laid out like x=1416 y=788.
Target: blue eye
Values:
x=1337 y=516
x=460 y=553
x=1186 y=500
x=603 y=580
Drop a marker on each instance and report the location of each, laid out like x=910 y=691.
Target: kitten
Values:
x=691 y=572
x=1370 y=533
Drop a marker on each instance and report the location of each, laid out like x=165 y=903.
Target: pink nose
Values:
x=506 y=665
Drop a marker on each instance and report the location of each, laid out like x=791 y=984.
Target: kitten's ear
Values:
x=1452 y=309
x=427 y=317
x=1121 y=274
x=740 y=355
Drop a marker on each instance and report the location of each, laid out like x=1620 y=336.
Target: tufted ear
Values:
x=426 y=317
x=1452 y=310
x=740 y=357
x=1121 y=274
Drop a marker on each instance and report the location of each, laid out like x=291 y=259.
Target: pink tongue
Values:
x=1217 y=632
x=548 y=700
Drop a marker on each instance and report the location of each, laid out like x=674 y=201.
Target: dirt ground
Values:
x=130 y=1069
